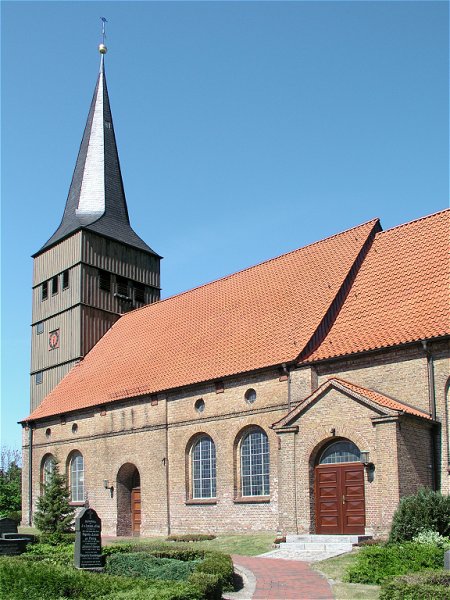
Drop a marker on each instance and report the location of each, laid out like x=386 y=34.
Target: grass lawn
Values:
x=247 y=544
x=334 y=569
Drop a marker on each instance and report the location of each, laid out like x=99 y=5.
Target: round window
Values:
x=199 y=405
x=250 y=396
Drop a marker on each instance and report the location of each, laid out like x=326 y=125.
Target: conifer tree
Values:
x=54 y=513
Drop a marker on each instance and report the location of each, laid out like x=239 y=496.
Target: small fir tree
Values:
x=54 y=513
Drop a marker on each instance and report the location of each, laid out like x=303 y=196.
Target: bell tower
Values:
x=94 y=267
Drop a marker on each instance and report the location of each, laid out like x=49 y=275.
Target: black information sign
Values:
x=88 y=541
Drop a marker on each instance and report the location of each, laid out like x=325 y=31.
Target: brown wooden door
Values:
x=340 y=506
x=136 y=511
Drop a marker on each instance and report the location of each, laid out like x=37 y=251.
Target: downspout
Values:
x=30 y=474
x=432 y=406
x=166 y=464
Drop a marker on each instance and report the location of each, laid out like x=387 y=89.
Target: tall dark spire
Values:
x=96 y=199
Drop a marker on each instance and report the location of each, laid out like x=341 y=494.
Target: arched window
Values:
x=76 y=476
x=255 y=464
x=340 y=452
x=203 y=461
x=47 y=469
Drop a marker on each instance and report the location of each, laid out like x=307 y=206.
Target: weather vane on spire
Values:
x=102 y=48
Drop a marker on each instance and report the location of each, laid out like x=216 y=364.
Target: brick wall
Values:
x=154 y=433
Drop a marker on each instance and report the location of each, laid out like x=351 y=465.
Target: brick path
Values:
x=278 y=579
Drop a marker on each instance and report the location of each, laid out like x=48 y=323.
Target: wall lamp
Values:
x=108 y=487
x=369 y=466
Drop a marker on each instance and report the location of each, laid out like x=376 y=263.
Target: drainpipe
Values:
x=287 y=372
x=166 y=464
x=30 y=474
x=432 y=405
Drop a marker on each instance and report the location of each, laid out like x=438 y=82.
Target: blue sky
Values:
x=245 y=130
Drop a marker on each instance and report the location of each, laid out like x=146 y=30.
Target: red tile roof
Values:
x=341 y=384
x=381 y=399
x=401 y=292
x=256 y=318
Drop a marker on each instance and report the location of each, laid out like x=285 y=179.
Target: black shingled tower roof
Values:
x=114 y=222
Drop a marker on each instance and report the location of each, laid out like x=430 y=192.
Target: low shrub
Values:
x=191 y=537
x=116 y=549
x=24 y=580
x=208 y=585
x=139 y=564
x=213 y=563
x=56 y=539
x=216 y=563
x=48 y=553
x=374 y=564
x=426 y=510
x=432 y=537
x=434 y=585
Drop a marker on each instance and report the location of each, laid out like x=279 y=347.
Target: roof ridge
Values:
x=435 y=214
x=267 y=261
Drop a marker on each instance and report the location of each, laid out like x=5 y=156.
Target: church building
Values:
x=308 y=393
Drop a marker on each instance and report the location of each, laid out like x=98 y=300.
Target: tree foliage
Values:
x=10 y=481
x=424 y=511
x=54 y=513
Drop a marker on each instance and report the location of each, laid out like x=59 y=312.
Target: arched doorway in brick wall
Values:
x=339 y=489
x=128 y=500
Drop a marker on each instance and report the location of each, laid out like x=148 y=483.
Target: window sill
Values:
x=76 y=503
x=252 y=500
x=201 y=501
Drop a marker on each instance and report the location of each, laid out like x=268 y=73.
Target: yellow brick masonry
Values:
x=156 y=437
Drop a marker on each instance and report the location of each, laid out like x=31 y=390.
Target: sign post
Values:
x=88 y=540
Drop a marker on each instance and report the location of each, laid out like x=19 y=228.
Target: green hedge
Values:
x=56 y=555
x=213 y=563
x=374 y=564
x=434 y=585
x=139 y=564
x=25 y=580
x=191 y=537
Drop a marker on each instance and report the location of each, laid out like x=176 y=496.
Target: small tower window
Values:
x=39 y=327
x=122 y=285
x=45 y=290
x=139 y=292
x=104 y=280
x=55 y=284
x=65 y=279
x=38 y=377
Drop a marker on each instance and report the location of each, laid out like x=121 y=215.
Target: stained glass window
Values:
x=255 y=464
x=204 y=468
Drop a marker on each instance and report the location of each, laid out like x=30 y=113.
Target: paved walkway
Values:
x=279 y=579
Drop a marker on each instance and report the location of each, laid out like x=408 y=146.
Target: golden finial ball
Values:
x=102 y=49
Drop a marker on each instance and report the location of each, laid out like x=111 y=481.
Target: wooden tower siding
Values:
x=83 y=312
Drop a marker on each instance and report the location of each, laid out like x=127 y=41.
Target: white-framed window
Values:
x=76 y=477
x=254 y=452
x=203 y=468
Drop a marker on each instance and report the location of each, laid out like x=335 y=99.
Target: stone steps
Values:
x=313 y=547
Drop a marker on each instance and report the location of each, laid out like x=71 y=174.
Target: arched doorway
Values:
x=339 y=489
x=128 y=501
